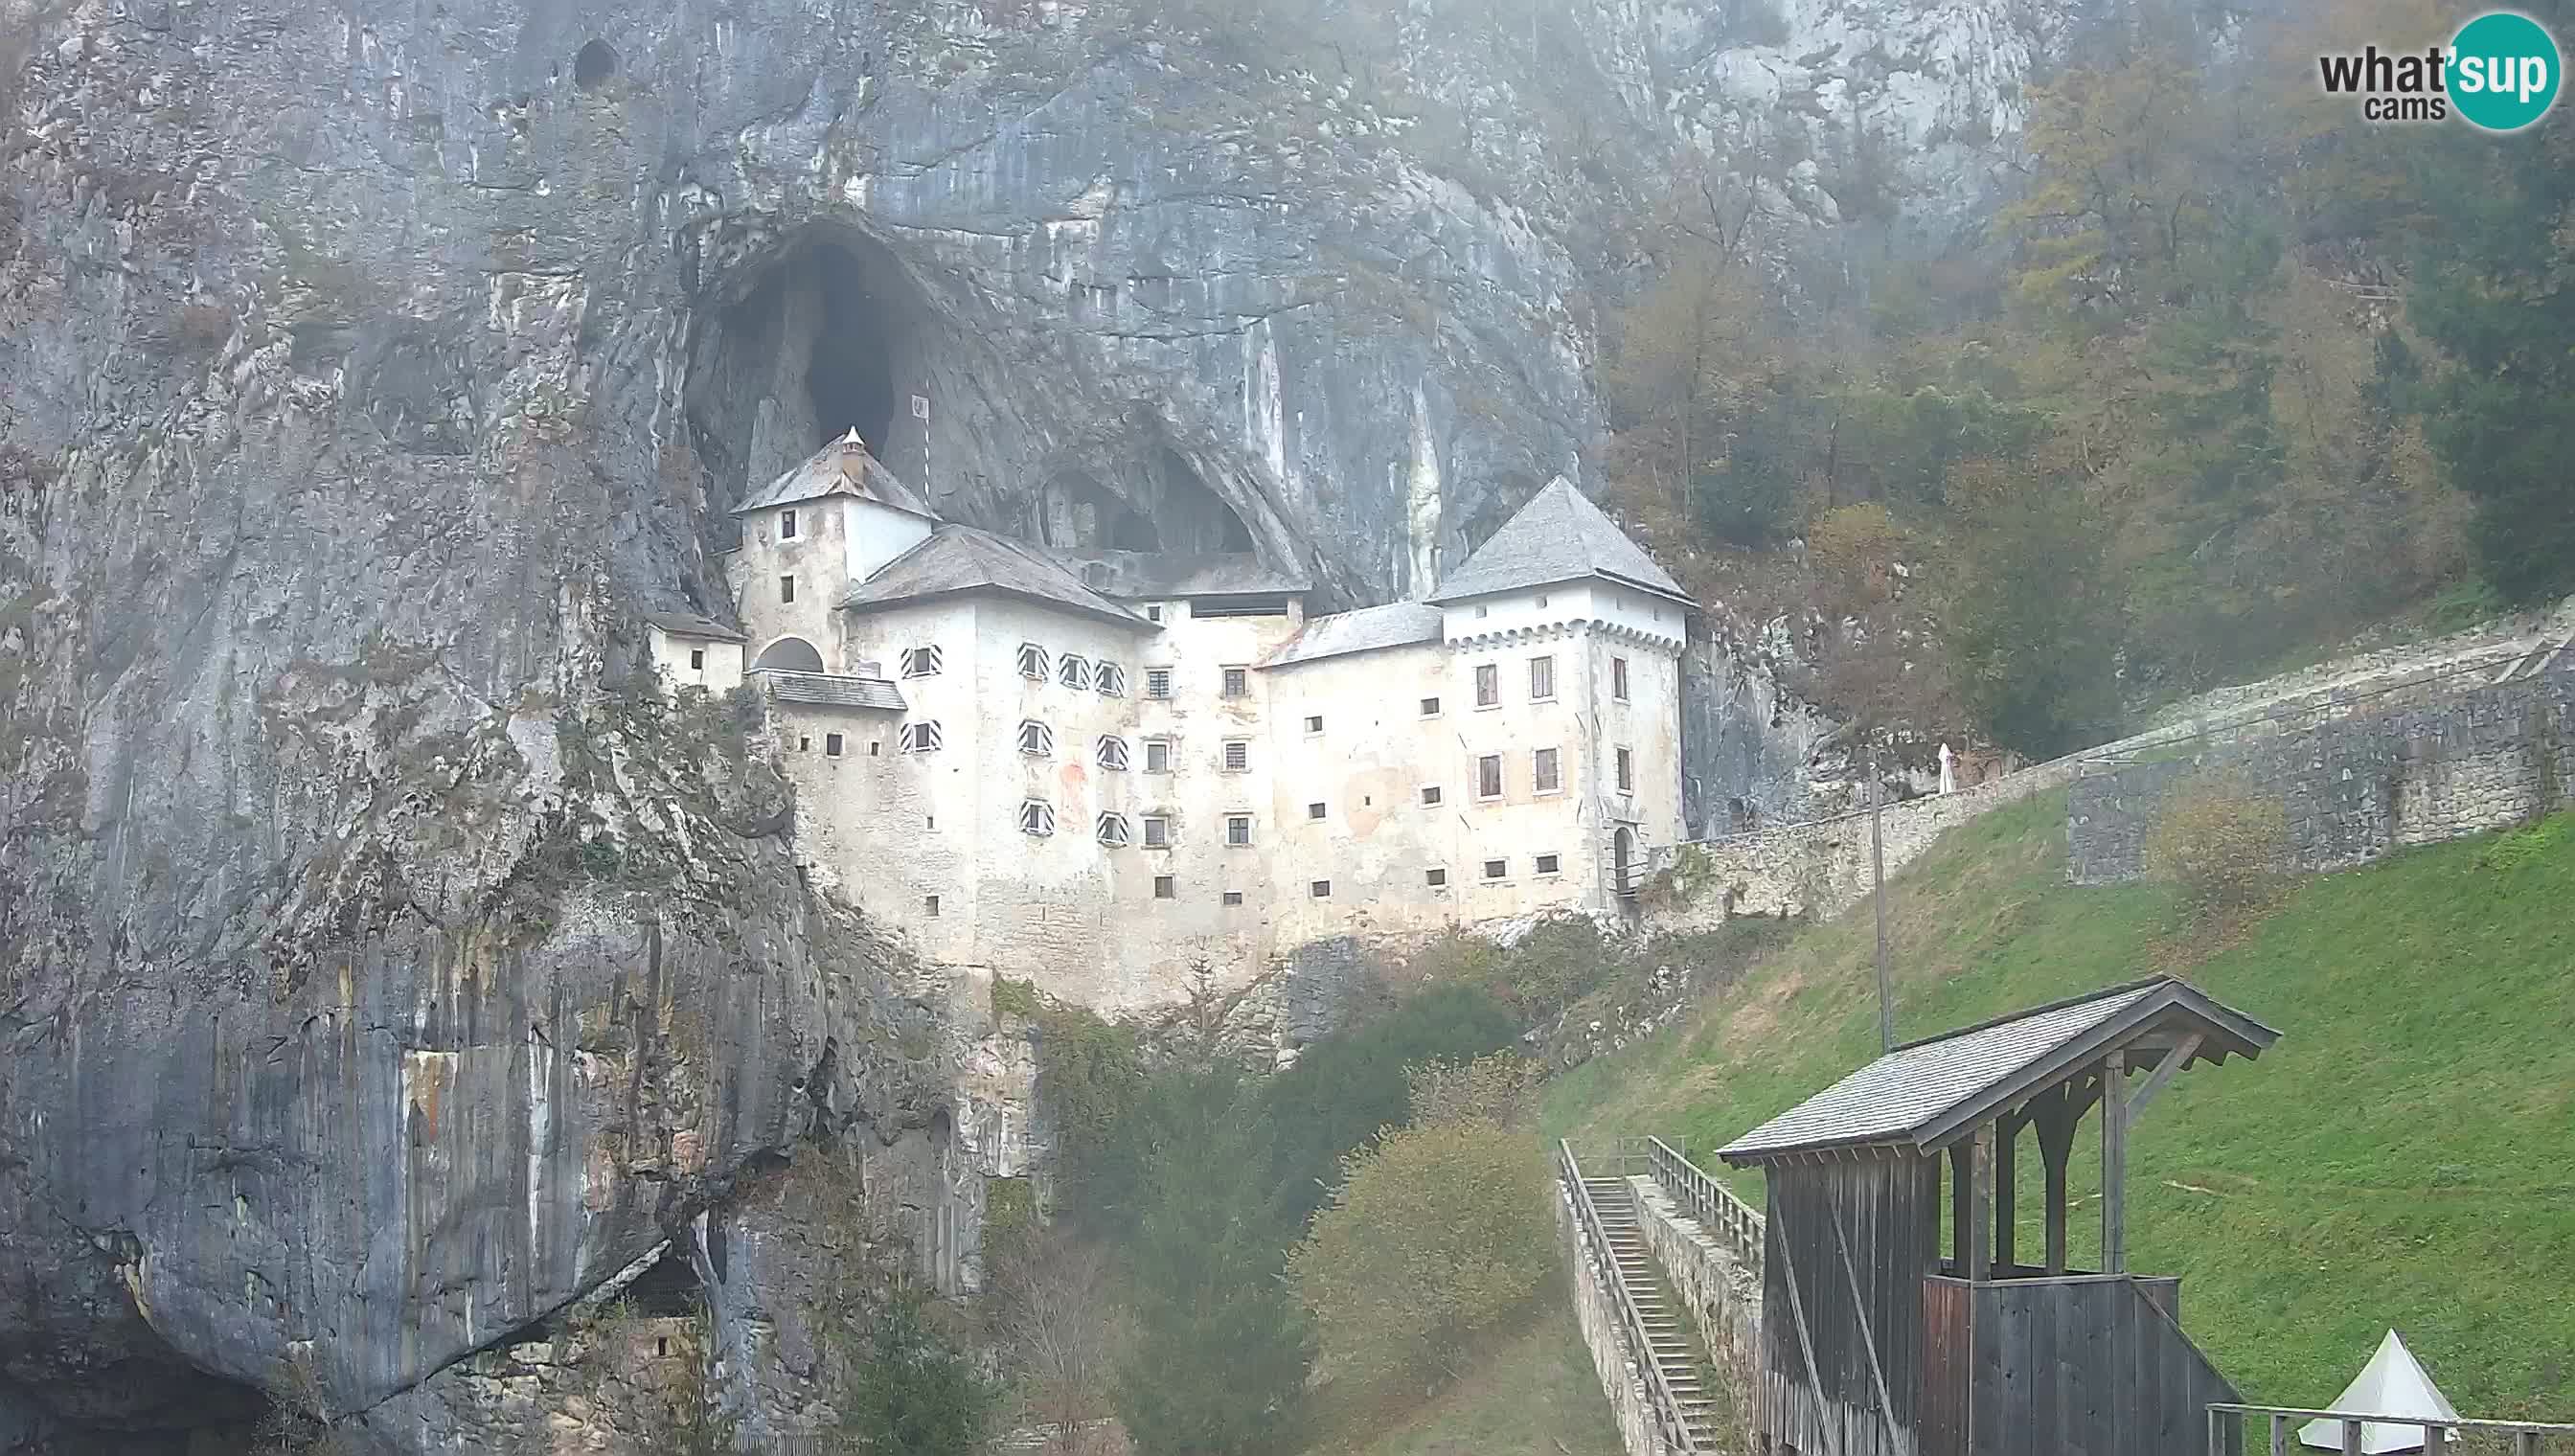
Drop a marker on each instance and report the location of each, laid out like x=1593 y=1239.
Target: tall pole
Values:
x=1877 y=892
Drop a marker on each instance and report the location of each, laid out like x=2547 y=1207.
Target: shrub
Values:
x=2221 y=843
x=1090 y=1077
x=915 y=1391
x=1496 y=1090
x=1440 y=1233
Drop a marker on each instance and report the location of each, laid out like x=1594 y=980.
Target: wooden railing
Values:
x=1707 y=1200
x=1658 y=1395
x=2233 y=1421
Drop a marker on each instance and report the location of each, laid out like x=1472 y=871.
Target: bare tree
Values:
x=1051 y=1304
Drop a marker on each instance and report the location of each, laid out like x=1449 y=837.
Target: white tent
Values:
x=2392 y=1384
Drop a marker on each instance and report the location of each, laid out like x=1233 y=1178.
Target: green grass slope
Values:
x=2404 y=1156
x=1533 y=1393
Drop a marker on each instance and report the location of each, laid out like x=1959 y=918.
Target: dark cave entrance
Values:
x=832 y=335
x=1166 y=506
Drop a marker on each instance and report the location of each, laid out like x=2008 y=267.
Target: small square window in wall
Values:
x=875 y=748
x=920 y=662
x=1626 y=772
x=1237 y=755
x=1157 y=755
x=1542 y=599
x=1157 y=832
x=1165 y=888
x=804 y=743
x=1496 y=869
x=1237 y=830
x=1234 y=896
x=1314 y=722
x=1154 y=612
x=1074 y=673
x=830 y=745
x=1488 y=777
x=1110 y=679
x=930 y=905
x=1436 y=879
x=786 y=525
x=1547 y=864
x=1322 y=889
x=1158 y=681
x=697 y=660
x=1488 y=685
x=1482 y=609
x=1430 y=708
x=1541 y=678
x=1430 y=793
x=1618 y=679
x=1238 y=683
x=1033 y=661
x=787 y=589
x=1314 y=811
x=1542 y=771
x=1037 y=816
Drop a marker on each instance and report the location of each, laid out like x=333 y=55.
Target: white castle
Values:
x=1094 y=770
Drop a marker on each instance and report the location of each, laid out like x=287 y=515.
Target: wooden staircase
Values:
x=1671 y=1348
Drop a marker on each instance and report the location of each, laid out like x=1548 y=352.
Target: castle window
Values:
x=1157 y=755
x=1430 y=793
x=786 y=525
x=1436 y=879
x=1488 y=685
x=830 y=745
x=1112 y=753
x=1075 y=673
x=1430 y=708
x=1541 y=678
x=1626 y=772
x=1488 y=777
x=1035 y=738
x=697 y=660
x=1234 y=896
x=1496 y=869
x=1547 y=864
x=1315 y=723
x=1037 y=816
x=1113 y=831
x=922 y=662
x=804 y=745
x=875 y=748
x=1543 y=774
x=1158 y=681
x=787 y=589
x=1238 y=683
x=1237 y=830
x=919 y=737
x=1157 y=832
x=1237 y=755
x=1165 y=888
x=1322 y=889
x=1154 y=612
x=1482 y=609
x=1542 y=599
x=1033 y=661
x=1618 y=679
x=930 y=905
x=1110 y=679
x=1314 y=811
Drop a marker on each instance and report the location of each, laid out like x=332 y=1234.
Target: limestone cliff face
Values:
x=379 y=969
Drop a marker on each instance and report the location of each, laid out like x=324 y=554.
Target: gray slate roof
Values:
x=958 y=559
x=830 y=690
x=683 y=624
x=1184 y=574
x=841 y=467
x=1400 y=623
x=1559 y=535
x=1921 y=1094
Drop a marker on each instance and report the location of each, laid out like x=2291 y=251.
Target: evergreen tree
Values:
x=916 y=1392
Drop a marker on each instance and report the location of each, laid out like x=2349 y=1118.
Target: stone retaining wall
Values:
x=2408 y=769
x=1595 y=1309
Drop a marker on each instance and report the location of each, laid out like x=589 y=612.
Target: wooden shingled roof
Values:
x=1927 y=1094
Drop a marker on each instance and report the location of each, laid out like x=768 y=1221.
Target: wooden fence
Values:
x=1707 y=1200
x=2229 y=1419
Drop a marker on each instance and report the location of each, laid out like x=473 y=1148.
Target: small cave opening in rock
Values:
x=594 y=64
x=1162 y=505
x=666 y=1290
x=832 y=335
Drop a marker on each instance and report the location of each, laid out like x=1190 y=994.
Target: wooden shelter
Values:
x=1877 y=1341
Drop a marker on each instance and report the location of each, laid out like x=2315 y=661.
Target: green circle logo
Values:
x=2503 y=71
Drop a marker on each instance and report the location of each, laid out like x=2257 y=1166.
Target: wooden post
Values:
x=2006 y=1190
x=2056 y=1114
x=1980 y=1204
x=2114 y=1164
x=1962 y=1183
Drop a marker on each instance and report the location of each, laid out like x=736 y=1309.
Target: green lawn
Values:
x=2404 y=1156
x=1533 y=1394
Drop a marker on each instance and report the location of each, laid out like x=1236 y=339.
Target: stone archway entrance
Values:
x=789 y=654
x=1622 y=855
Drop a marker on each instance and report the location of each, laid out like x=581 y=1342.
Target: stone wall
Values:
x=1720 y=1290
x=2361 y=778
x=1595 y=1309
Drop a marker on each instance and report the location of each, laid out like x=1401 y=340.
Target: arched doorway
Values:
x=789 y=654
x=1623 y=850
